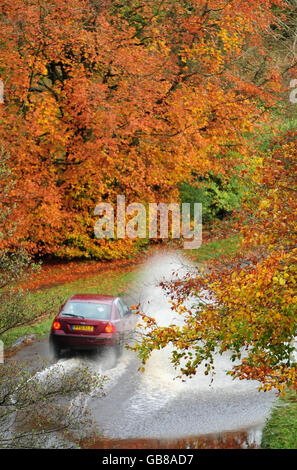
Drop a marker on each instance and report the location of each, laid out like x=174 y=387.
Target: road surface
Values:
x=153 y=404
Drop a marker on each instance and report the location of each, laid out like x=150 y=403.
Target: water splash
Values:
x=155 y=405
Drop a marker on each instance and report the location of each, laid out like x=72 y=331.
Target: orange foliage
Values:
x=254 y=313
x=104 y=98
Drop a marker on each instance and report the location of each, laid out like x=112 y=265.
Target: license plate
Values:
x=82 y=328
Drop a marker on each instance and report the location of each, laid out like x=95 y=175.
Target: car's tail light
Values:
x=109 y=328
x=56 y=325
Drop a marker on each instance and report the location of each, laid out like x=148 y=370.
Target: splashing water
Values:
x=154 y=404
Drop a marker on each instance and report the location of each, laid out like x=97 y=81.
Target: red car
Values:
x=90 y=321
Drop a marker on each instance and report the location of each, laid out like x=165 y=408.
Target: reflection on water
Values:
x=228 y=440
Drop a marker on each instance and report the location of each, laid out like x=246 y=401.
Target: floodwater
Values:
x=154 y=409
x=155 y=405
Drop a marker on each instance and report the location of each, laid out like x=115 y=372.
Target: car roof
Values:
x=107 y=299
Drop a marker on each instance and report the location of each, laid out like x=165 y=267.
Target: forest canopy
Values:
x=128 y=97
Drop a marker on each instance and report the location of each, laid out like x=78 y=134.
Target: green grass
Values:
x=280 y=431
x=225 y=247
x=111 y=283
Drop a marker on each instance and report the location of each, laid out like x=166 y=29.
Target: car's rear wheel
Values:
x=55 y=349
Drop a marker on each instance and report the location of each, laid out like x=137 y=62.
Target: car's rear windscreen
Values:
x=92 y=310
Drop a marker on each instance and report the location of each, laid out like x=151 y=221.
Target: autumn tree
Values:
x=16 y=267
x=252 y=313
x=110 y=97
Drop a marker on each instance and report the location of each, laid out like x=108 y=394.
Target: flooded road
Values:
x=153 y=406
x=228 y=440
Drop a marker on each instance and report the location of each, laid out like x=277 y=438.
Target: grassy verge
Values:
x=280 y=431
x=111 y=283
x=216 y=249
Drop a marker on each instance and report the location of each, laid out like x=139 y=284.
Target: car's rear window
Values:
x=91 y=310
